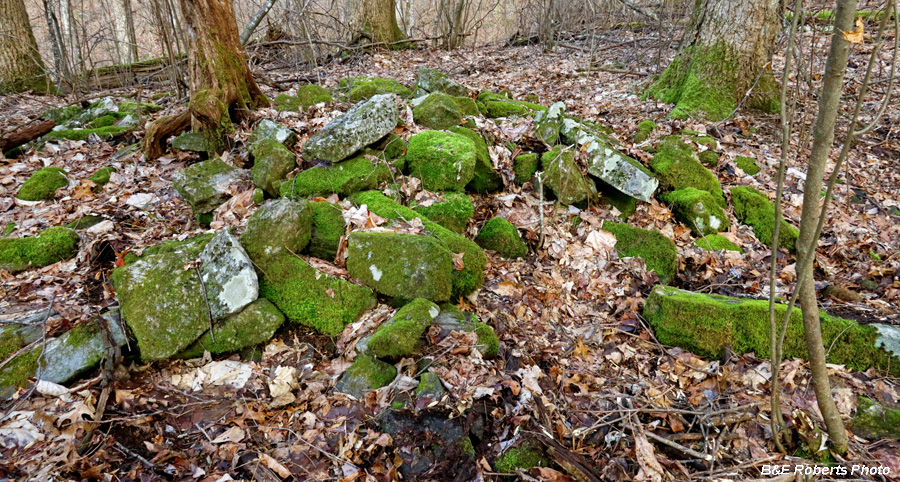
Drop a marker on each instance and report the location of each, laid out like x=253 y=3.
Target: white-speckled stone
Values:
x=228 y=276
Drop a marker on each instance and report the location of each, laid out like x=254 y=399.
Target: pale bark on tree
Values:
x=126 y=42
x=222 y=89
x=375 y=20
x=725 y=51
x=21 y=67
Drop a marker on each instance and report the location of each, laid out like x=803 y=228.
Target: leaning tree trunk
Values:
x=724 y=52
x=21 y=67
x=222 y=88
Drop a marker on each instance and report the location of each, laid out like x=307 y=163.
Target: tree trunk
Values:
x=724 y=52
x=21 y=67
x=221 y=86
x=375 y=20
x=126 y=42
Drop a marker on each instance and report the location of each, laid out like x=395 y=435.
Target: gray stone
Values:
x=431 y=80
x=271 y=164
x=253 y=325
x=128 y=121
x=267 y=129
x=228 y=276
x=204 y=185
x=548 y=123
x=364 y=375
x=100 y=108
x=562 y=176
x=363 y=124
x=192 y=142
x=280 y=226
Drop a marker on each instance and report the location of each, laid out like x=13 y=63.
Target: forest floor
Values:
x=579 y=371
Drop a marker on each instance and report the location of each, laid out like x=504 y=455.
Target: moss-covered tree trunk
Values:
x=21 y=67
x=375 y=20
x=726 y=47
x=222 y=89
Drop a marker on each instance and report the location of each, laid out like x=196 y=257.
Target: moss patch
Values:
x=254 y=324
x=716 y=242
x=872 y=420
x=753 y=208
x=327 y=228
x=658 y=251
x=307 y=95
x=364 y=375
x=101 y=177
x=444 y=161
x=708 y=158
x=62 y=115
x=344 y=178
x=401 y=334
x=562 y=176
x=485 y=178
x=696 y=89
x=193 y=245
x=104 y=133
x=526 y=455
x=42 y=185
x=402 y=266
x=747 y=164
x=705 y=324
x=50 y=246
x=438 y=111
x=453 y=213
x=676 y=166
x=697 y=210
x=363 y=87
x=271 y=165
x=643 y=131
x=524 y=166
x=280 y=226
x=502 y=236
x=85 y=222
x=488 y=343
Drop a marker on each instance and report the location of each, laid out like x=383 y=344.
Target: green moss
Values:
x=643 y=131
x=42 y=185
x=524 y=166
x=374 y=373
x=363 y=87
x=85 y=222
x=496 y=109
x=676 y=166
x=255 y=324
x=401 y=334
x=626 y=204
x=307 y=95
x=872 y=420
x=485 y=179
x=101 y=177
x=466 y=280
x=259 y=196
x=706 y=324
x=716 y=242
x=193 y=142
x=502 y=236
x=562 y=176
x=194 y=245
x=453 y=213
x=106 y=120
x=696 y=89
x=399 y=265
x=272 y=162
x=9 y=229
x=50 y=246
x=438 y=111
x=130 y=107
x=747 y=164
x=17 y=372
x=281 y=226
x=429 y=386
x=526 y=455
x=344 y=178
x=444 y=161
x=467 y=106
x=327 y=228
x=753 y=208
x=104 y=133
x=62 y=115
x=310 y=297
x=697 y=210
x=488 y=343
x=709 y=158
x=390 y=147
x=658 y=251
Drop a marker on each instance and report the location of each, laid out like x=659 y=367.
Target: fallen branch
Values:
x=26 y=133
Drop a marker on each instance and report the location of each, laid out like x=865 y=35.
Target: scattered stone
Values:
x=400 y=336
x=364 y=87
x=658 y=251
x=563 y=177
x=446 y=439
x=485 y=179
x=194 y=244
x=102 y=133
x=280 y=226
x=15 y=336
x=307 y=96
x=100 y=108
x=497 y=105
x=272 y=162
x=677 y=167
x=253 y=325
x=524 y=166
x=488 y=343
x=228 y=276
x=271 y=130
x=50 y=246
x=716 y=242
x=101 y=177
x=705 y=324
x=328 y=226
x=468 y=106
x=747 y=164
x=438 y=111
x=364 y=375
x=697 y=210
x=204 y=185
x=643 y=131
x=872 y=420
x=344 y=178
x=192 y=142
x=840 y=293
x=431 y=80
x=392 y=146
x=502 y=236
x=753 y=208
x=312 y=298
x=453 y=213
x=131 y=108
x=452 y=318
x=548 y=123
x=430 y=387
x=42 y=185
x=360 y=126
x=444 y=161
x=404 y=266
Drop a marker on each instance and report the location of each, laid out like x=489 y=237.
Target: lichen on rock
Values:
x=431 y=80
x=281 y=226
x=360 y=126
x=229 y=278
x=272 y=162
x=562 y=176
x=204 y=185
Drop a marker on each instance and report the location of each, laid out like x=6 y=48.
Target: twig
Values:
x=125 y=450
x=208 y=308
x=675 y=445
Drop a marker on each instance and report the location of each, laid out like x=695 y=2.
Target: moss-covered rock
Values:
x=105 y=121
x=548 y=123
x=365 y=123
x=42 y=185
x=466 y=280
x=563 y=177
x=676 y=166
x=193 y=142
x=747 y=164
x=716 y=242
x=328 y=226
x=525 y=455
x=50 y=246
x=444 y=161
x=453 y=212
x=872 y=420
x=430 y=387
x=15 y=336
x=205 y=185
x=364 y=87
x=708 y=158
x=364 y=375
x=502 y=236
x=193 y=245
x=280 y=226
x=62 y=115
x=101 y=176
x=524 y=166
x=85 y=222
x=488 y=343
x=307 y=95
x=392 y=145
x=468 y=106
x=273 y=131
x=499 y=105
x=697 y=210
x=401 y=334
x=312 y=298
x=104 y=133
x=229 y=278
x=706 y=324
x=431 y=80
x=253 y=325
x=625 y=204
x=645 y=128
x=753 y=208
x=272 y=162
x=438 y=111
x=485 y=179
x=658 y=251
x=344 y=178
x=130 y=107
x=402 y=266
